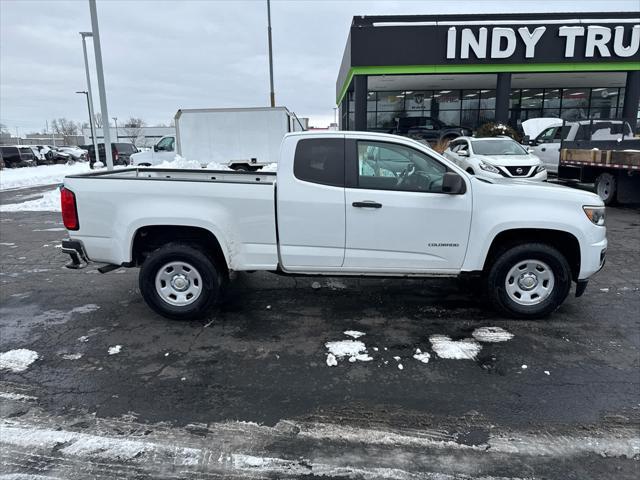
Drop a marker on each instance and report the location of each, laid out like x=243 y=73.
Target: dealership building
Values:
x=471 y=69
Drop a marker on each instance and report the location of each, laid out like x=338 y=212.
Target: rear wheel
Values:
x=179 y=281
x=606 y=188
x=528 y=281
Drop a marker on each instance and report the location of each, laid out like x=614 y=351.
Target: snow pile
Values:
x=491 y=334
x=465 y=349
x=179 y=162
x=17 y=360
x=115 y=350
x=41 y=175
x=49 y=202
x=421 y=357
x=354 y=349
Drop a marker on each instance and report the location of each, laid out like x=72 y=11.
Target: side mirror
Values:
x=463 y=153
x=155 y=148
x=453 y=184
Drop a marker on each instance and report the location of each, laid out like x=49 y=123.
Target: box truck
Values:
x=239 y=138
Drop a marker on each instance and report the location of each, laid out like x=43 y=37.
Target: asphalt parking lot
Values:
x=119 y=392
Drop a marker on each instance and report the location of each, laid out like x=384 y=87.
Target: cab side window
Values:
x=547 y=135
x=320 y=160
x=388 y=166
x=166 y=144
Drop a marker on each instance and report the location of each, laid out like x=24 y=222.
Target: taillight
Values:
x=69 y=210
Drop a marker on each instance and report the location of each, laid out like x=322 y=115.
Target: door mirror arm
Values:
x=453 y=184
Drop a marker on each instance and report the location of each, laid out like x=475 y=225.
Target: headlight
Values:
x=541 y=168
x=595 y=214
x=488 y=168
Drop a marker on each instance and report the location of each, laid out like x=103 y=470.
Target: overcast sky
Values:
x=163 y=55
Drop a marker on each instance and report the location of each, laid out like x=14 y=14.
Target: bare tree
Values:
x=64 y=127
x=133 y=128
x=97 y=119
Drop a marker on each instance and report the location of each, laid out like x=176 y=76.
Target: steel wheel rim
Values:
x=529 y=282
x=604 y=189
x=178 y=283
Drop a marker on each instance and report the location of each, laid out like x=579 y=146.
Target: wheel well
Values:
x=564 y=242
x=147 y=239
x=470 y=170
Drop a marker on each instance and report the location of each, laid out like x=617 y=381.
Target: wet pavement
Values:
x=117 y=391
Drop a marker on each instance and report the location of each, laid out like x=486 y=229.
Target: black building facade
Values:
x=471 y=69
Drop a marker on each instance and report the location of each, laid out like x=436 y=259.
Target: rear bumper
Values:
x=75 y=250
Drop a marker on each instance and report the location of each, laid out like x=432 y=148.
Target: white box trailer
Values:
x=241 y=138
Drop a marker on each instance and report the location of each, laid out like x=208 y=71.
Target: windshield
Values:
x=497 y=147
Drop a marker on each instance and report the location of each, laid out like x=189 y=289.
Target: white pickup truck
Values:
x=341 y=203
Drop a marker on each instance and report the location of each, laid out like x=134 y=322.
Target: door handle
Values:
x=367 y=204
x=543 y=149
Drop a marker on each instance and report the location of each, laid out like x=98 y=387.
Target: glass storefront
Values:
x=472 y=108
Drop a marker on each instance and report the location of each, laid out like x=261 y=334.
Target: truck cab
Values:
x=163 y=151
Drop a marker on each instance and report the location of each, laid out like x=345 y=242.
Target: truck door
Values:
x=547 y=148
x=164 y=150
x=398 y=220
x=310 y=204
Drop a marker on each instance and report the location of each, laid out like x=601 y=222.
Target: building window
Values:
x=473 y=108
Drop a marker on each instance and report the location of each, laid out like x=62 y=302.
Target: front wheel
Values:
x=179 y=281
x=529 y=281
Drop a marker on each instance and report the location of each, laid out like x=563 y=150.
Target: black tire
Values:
x=607 y=188
x=211 y=275
x=507 y=259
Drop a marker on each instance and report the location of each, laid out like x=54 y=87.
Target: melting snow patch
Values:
x=17 y=360
x=49 y=202
x=400 y=367
x=524 y=367
x=354 y=333
x=491 y=334
x=7 y=244
x=547 y=372
x=88 y=308
x=114 y=350
x=421 y=357
x=17 y=397
x=316 y=285
x=331 y=360
x=465 y=349
x=336 y=285
x=71 y=356
x=354 y=349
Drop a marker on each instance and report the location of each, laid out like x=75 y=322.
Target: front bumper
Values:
x=75 y=250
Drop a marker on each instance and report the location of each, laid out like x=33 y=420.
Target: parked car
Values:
x=496 y=157
x=75 y=153
x=121 y=153
x=17 y=156
x=336 y=211
x=429 y=129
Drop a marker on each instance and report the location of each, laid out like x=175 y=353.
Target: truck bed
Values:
x=236 y=206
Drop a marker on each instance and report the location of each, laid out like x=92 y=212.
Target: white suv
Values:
x=496 y=157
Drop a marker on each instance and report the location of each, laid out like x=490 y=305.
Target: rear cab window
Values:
x=320 y=160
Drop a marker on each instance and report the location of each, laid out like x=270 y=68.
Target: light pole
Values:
x=93 y=136
x=108 y=153
x=272 y=92
x=115 y=122
x=92 y=120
